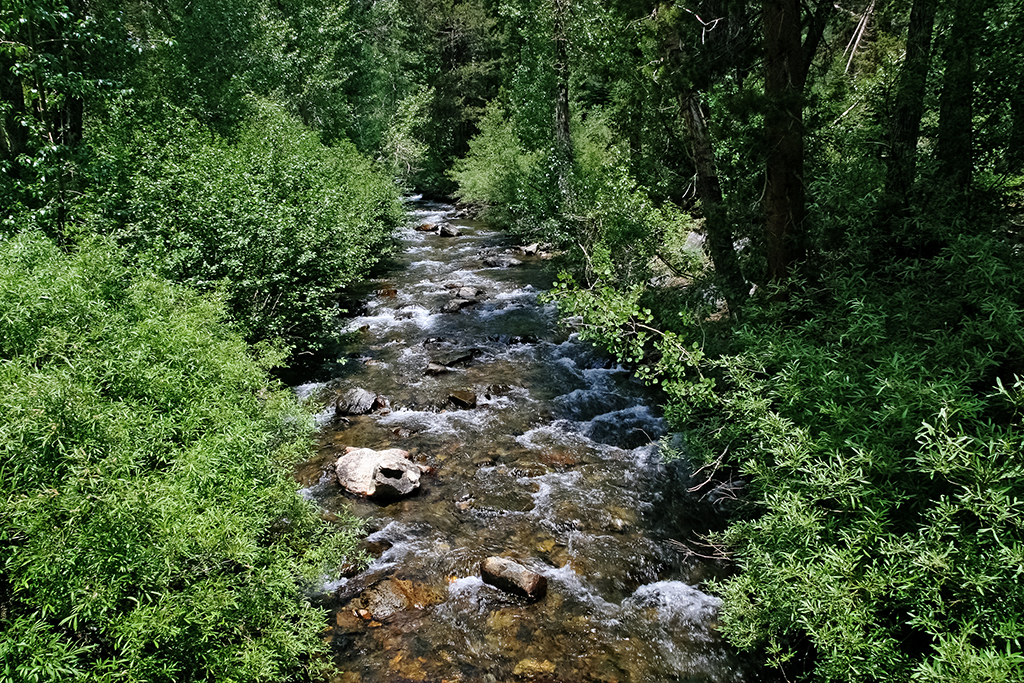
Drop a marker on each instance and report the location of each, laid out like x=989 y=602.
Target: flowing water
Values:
x=557 y=467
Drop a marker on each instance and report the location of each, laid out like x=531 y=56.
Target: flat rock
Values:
x=461 y=357
x=436 y=369
x=456 y=305
x=501 y=261
x=463 y=398
x=513 y=577
x=378 y=474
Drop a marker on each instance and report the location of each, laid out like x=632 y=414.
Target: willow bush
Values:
x=150 y=530
x=274 y=219
x=874 y=420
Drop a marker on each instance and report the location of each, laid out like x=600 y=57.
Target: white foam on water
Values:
x=390 y=319
x=428 y=265
x=521 y=294
x=449 y=422
x=567 y=581
x=618 y=426
x=677 y=605
x=304 y=391
x=330 y=586
x=557 y=433
x=313 y=492
x=467 y=585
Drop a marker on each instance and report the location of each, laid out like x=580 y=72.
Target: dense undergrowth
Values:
x=178 y=219
x=151 y=531
x=860 y=428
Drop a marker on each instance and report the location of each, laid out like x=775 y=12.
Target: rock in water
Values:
x=456 y=305
x=357 y=401
x=448 y=230
x=378 y=474
x=501 y=261
x=436 y=369
x=514 y=578
x=463 y=398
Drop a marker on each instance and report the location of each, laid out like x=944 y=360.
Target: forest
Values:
x=188 y=186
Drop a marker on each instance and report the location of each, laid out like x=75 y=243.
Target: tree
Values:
x=956 y=104
x=901 y=162
x=787 y=63
x=49 y=64
x=719 y=232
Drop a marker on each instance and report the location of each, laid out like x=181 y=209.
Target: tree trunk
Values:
x=1015 y=147
x=956 y=124
x=13 y=135
x=906 y=120
x=784 y=81
x=716 y=224
x=563 y=134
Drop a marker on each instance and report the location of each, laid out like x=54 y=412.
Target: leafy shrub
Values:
x=875 y=417
x=276 y=221
x=495 y=172
x=149 y=528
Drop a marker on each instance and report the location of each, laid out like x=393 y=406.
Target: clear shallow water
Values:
x=557 y=467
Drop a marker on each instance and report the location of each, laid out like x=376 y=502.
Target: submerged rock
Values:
x=456 y=305
x=436 y=369
x=501 y=261
x=378 y=474
x=514 y=578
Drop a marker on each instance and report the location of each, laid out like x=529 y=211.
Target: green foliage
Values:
x=497 y=173
x=402 y=150
x=150 y=530
x=878 y=428
x=276 y=221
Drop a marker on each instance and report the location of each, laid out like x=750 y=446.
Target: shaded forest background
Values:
x=801 y=219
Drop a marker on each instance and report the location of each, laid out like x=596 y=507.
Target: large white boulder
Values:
x=378 y=474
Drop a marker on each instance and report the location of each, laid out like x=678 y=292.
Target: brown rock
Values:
x=514 y=578
x=463 y=398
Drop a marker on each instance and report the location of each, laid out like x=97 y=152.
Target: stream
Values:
x=556 y=467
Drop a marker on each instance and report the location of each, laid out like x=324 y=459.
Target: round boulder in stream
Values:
x=378 y=474
x=358 y=401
